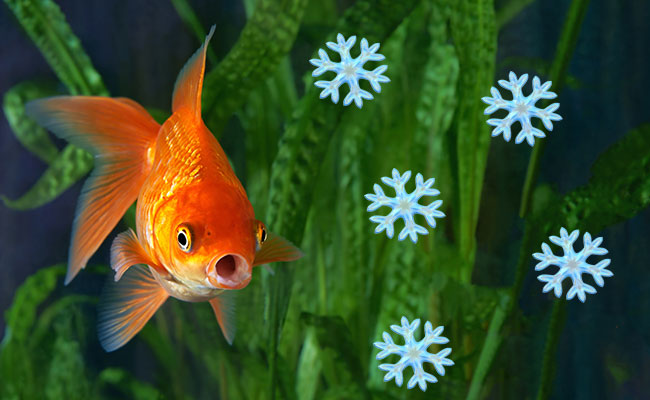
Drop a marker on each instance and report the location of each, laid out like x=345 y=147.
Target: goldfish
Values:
x=196 y=239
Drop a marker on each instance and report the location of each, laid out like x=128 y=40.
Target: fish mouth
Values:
x=229 y=271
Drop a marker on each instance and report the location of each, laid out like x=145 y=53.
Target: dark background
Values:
x=139 y=46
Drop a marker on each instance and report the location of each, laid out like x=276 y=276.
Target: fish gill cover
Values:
x=307 y=330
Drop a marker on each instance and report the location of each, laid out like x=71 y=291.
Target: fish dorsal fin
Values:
x=126 y=306
x=127 y=251
x=276 y=248
x=187 y=90
x=224 y=309
x=121 y=136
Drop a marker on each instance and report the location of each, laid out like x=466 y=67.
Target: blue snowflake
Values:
x=404 y=205
x=349 y=70
x=521 y=108
x=573 y=265
x=413 y=354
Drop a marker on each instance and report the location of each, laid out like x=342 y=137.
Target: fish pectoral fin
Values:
x=120 y=134
x=126 y=306
x=189 y=83
x=127 y=251
x=224 y=309
x=276 y=248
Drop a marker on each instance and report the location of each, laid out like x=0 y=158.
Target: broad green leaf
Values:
x=46 y=318
x=265 y=40
x=617 y=191
x=474 y=34
x=20 y=317
x=301 y=150
x=131 y=387
x=66 y=376
x=433 y=137
x=70 y=166
x=27 y=131
x=17 y=371
x=336 y=346
x=309 y=367
x=46 y=26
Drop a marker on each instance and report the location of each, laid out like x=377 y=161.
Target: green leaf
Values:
x=333 y=334
x=18 y=372
x=309 y=367
x=70 y=166
x=27 y=131
x=618 y=189
x=46 y=26
x=434 y=112
x=302 y=149
x=66 y=375
x=43 y=326
x=128 y=385
x=21 y=315
x=473 y=29
x=509 y=10
x=265 y=40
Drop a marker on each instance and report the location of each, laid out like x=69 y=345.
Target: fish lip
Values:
x=225 y=277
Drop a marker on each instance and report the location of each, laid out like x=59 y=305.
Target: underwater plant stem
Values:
x=322 y=280
x=490 y=347
x=555 y=326
x=558 y=73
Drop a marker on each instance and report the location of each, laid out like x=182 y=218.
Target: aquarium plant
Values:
x=309 y=164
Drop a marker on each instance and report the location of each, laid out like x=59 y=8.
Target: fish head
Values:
x=211 y=236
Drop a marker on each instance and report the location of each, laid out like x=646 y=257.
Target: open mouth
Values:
x=230 y=271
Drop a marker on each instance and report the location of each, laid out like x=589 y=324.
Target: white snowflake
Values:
x=349 y=70
x=404 y=205
x=521 y=108
x=573 y=265
x=413 y=354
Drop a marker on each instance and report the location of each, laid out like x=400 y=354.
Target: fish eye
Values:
x=184 y=238
x=261 y=234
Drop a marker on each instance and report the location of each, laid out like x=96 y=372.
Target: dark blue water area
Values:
x=138 y=48
x=607 y=339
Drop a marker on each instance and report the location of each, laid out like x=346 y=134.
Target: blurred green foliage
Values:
x=306 y=332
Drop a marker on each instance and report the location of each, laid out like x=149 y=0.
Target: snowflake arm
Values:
x=572 y=265
x=404 y=205
x=349 y=70
x=521 y=109
x=413 y=354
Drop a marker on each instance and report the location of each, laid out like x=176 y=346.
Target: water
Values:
x=353 y=284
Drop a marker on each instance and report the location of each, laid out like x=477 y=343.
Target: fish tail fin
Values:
x=187 y=90
x=127 y=305
x=121 y=135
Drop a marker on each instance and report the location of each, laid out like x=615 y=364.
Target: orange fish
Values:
x=196 y=228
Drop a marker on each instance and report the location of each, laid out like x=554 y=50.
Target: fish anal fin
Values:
x=276 y=248
x=126 y=251
x=121 y=136
x=187 y=90
x=224 y=309
x=126 y=306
